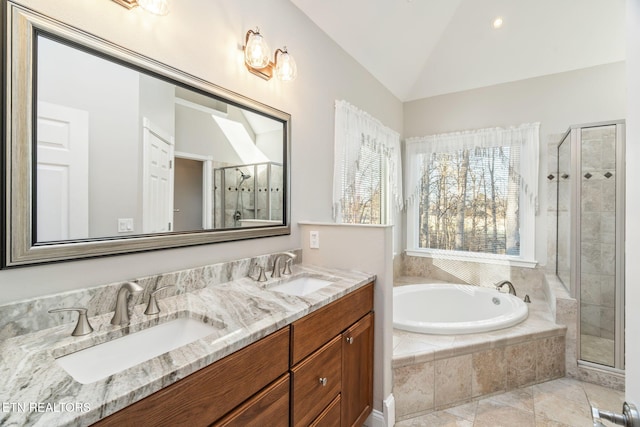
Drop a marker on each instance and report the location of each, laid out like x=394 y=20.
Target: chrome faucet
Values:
x=83 y=327
x=152 y=305
x=512 y=290
x=275 y=273
x=121 y=314
x=261 y=276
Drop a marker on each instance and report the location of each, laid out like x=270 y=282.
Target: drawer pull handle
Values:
x=349 y=340
x=323 y=381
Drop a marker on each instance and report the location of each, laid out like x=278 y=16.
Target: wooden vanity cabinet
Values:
x=316 y=372
x=343 y=329
x=203 y=397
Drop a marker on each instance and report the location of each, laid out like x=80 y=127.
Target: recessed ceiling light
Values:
x=497 y=22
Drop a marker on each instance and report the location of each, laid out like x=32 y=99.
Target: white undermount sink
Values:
x=301 y=286
x=102 y=360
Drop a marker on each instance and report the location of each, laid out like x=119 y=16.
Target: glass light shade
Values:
x=158 y=7
x=286 y=68
x=256 y=52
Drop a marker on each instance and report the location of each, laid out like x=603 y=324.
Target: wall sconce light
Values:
x=257 y=59
x=158 y=7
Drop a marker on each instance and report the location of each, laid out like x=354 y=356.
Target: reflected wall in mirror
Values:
x=111 y=152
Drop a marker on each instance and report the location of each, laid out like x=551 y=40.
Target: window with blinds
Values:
x=469 y=201
x=364 y=197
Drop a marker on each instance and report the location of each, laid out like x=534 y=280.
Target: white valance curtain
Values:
x=525 y=136
x=355 y=129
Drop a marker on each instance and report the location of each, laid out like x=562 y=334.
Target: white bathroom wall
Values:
x=556 y=101
x=367 y=248
x=632 y=294
x=204 y=38
x=74 y=85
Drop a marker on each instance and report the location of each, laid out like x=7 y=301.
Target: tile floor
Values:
x=563 y=402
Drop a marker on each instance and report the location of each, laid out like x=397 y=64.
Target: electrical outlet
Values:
x=125 y=225
x=314 y=239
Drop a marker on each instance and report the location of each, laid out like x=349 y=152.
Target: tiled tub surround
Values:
x=526 y=280
x=243 y=310
x=431 y=372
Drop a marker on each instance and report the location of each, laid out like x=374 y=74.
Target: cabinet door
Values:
x=357 y=372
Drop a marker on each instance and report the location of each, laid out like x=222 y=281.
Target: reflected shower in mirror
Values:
x=122 y=152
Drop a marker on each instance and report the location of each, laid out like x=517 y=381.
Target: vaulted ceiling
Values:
x=423 y=48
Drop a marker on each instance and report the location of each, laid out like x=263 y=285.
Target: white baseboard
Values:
x=386 y=418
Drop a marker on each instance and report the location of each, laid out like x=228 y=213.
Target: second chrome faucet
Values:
x=121 y=314
x=275 y=273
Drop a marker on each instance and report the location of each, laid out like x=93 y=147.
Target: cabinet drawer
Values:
x=330 y=417
x=205 y=396
x=312 y=331
x=317 y=380
x=270 y=407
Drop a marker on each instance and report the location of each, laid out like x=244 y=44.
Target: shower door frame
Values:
x=575 y=134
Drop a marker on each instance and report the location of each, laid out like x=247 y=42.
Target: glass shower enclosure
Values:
x=590 y=237
x=249 y=195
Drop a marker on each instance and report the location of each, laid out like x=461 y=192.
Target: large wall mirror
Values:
x=110 y=152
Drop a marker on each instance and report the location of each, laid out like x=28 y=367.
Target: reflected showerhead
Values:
x=244 y=176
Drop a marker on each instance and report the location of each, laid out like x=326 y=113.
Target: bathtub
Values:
x=454 y=309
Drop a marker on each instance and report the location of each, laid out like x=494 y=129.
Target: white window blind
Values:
x=363 y=198
x=367 y=167
x=469 y=201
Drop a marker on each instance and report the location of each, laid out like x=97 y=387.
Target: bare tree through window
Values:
x=469 y=201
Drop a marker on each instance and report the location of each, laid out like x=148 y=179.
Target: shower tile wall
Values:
x=239 y=196
x=272 y=190
x=277 y=194
x=262 y=193
x=260 y=196
x=598 y=232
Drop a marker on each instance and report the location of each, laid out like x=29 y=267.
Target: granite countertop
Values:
x=37 y=391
